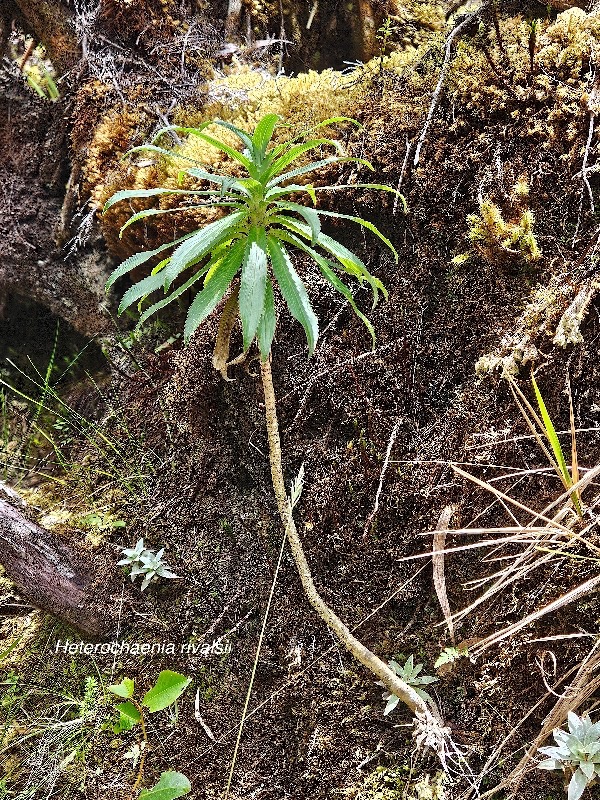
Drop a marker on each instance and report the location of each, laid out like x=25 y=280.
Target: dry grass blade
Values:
x=511 y=500
x=525 y=404
x=574 y=459
x=438 y=559
x=583 y=686
x=579 y=591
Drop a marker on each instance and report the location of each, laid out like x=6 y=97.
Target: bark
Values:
x=51 y=576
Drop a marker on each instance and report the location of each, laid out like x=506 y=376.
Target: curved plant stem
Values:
x=366 y=657
x=140 y=774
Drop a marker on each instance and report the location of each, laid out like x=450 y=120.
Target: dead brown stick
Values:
x=50 y=575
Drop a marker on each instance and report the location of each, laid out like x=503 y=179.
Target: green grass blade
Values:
x=551 y=436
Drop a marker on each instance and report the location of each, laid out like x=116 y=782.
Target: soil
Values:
x=194 y=450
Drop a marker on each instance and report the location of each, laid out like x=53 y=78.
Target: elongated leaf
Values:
x=551 y=435
x=170 y=786
x=293 y=291
x=312 y=167
x=292 y=188
x=214 y=289
x=245 y=138
x=201 y=243
x=138 y=259
x=225 y=148
x=163 y=152
x=294 y=152
x=153 y=212
x=169 y=686
x=365 y=224
x=309 y=214
x=326 y=269
x=141 y=289
x=577 y=785
x=351 y=262
x=268 y=322
x=128 y=194
x=263 y=133
x=172 y=296
x=252 y=285
x=309 y=131
x=550 y=432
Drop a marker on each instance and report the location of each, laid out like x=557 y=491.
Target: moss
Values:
x=496 y=239
x=397 y=783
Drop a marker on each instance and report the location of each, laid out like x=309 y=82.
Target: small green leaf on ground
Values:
x=123 y=689
x=169 y=686
x=170 y=786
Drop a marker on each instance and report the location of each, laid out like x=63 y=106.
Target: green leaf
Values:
x=294 y=152
x=123 y=689
x=555 y=444
x=169 y=686
x=268 y=321
x=365 y=224
x=326 y=269
x=170 y=786
x=293 y=291
x=138 y=259
x=311 y=167
x=153 y=212
x=128 y=194
x=263 y=133
x=172 y=296
x=252 y=284
x=214 y=289
x=201 y=243
x=309 y=214
x=225 y=148
x=141 y=289
x=163 y=152
x=130 y=716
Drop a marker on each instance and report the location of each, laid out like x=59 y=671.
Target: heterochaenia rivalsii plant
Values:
x=244 y=253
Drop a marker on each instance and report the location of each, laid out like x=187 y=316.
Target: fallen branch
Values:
x=51 y=576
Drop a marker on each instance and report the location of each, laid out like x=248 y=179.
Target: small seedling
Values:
x=145 y=562
x=165 y=692
x=449 y=655
x=576 y=752
x=410 y=675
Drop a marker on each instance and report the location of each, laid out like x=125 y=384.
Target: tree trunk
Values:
x=52 y=576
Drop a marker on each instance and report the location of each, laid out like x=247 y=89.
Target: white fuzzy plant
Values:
x=578 y=751
x=145 y=562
